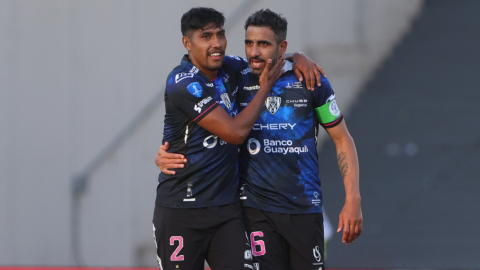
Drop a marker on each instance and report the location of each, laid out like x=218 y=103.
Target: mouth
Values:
x=215 y=55
x=256 y=63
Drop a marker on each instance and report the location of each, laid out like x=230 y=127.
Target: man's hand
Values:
x=271 y=74
x=350 y=221
x=166 y=161
x=304 y=65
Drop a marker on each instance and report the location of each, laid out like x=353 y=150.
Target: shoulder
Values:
x=235 y=63
x=184 y=76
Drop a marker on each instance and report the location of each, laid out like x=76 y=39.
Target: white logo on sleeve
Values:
x=334 y=108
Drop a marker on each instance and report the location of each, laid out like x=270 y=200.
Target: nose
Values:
x=254 y=51
x=215 y=42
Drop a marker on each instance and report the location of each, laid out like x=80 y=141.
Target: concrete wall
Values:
x=74 y=73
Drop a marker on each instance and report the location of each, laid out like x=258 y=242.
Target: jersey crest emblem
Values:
x=226 y=101
x=273 y=104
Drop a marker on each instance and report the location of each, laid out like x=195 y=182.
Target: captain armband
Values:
x=329 y=115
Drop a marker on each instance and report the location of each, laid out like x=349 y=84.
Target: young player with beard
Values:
x=198 y=215
x=281 y=194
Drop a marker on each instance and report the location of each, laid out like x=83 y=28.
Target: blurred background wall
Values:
x=81 y=113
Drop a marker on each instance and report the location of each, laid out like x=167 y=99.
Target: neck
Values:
x=210 y=74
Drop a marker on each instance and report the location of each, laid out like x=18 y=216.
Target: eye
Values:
x=221 y=34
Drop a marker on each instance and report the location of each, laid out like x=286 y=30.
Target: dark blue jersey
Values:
x=278 y=160
x=210 y=177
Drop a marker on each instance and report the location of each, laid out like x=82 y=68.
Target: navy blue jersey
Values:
x=210 y=177
x=278 y=160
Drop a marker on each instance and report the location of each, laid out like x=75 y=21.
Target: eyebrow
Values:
x=259 y=41
x=208 y=31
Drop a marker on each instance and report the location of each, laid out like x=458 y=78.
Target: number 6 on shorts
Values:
x=260 y=243
x=175 y=256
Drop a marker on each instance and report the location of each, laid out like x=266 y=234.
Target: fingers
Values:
x=299 y=74
x=318 y=78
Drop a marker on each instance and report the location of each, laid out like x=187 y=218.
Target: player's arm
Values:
x=350 y=219
x=304 y=65
x=235 y=130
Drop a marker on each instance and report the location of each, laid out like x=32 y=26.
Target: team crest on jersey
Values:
x=273 y=104
x=226 y=101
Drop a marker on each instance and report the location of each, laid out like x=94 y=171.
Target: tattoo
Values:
x=342 y=164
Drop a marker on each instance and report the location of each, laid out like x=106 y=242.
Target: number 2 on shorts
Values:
x=260 y=243
x=175 y=256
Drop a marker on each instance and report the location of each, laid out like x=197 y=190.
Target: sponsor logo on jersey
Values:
x=316 y=201
x=248 y=254
x=317 y=254
x=199 y=105
x=212 y=141
x=273 y=104
x=274 y=146
x=226 y=101
x=183 y=75
x=297 y=85
x=296 y=101
x=195 y=89
x=251 y=88
x=225 y=79
x=274 y=126
x=334 y=108
x=253 y=146
x=209 y=84
x=245 y=71
x=282 y=147
x=194 y=70
x=288 y=86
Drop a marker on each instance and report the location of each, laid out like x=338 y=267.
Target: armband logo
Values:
x=334 y=108
x=330 y=98
x=183 y=75
x=195 y=89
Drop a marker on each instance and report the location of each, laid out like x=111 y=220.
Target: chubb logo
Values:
x=199 y=105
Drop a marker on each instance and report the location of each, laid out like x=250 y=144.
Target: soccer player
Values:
x=281 y=191
x=198 y=215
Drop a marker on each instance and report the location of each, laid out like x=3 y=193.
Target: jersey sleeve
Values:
x=189 y=94
x=325 y=105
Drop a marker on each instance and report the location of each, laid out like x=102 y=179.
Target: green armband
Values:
x=328 y=112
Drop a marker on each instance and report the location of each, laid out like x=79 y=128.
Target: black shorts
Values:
x=187 y=237
x=285 y=241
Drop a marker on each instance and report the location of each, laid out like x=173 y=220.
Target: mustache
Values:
x=257 y=58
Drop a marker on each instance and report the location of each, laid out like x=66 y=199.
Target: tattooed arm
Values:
x=350 y=219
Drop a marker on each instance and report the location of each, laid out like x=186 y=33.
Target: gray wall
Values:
x=73 y=74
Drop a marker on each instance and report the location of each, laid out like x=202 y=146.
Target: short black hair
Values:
x=266 y=17
x=201 y=17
